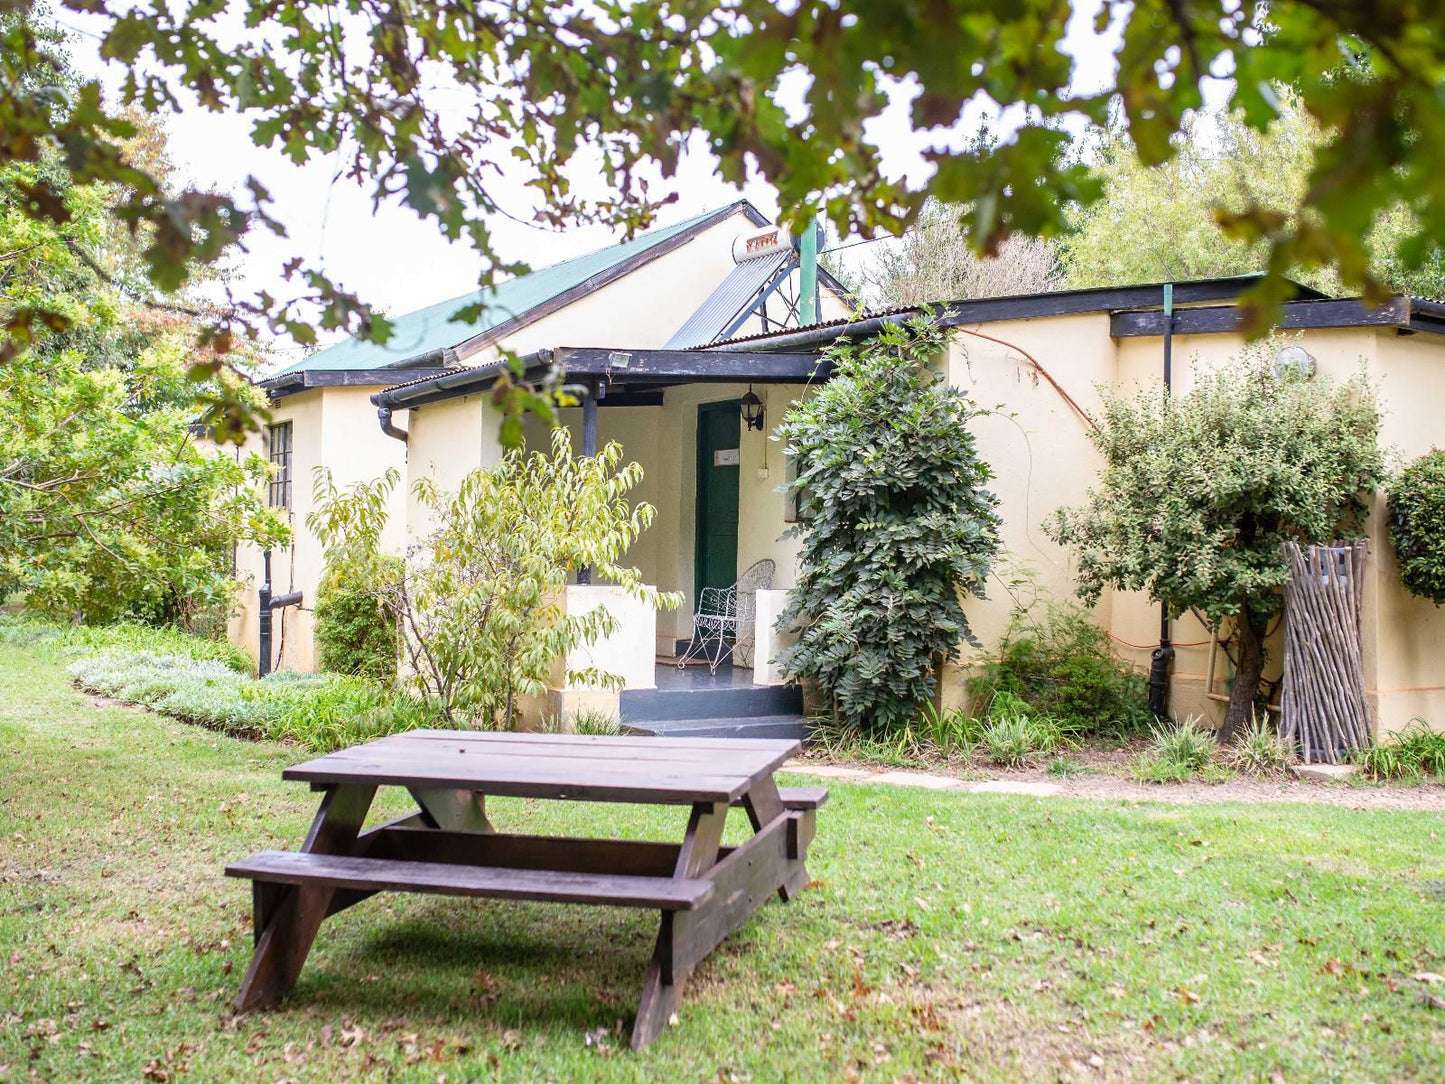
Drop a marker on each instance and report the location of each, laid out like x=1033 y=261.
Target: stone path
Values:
x=925 y=780
x=1323 y=788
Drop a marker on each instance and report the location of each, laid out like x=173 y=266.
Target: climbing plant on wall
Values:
x=897 y=527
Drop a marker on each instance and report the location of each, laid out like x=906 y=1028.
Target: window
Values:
x=279 y=446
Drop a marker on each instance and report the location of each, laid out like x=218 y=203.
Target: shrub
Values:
x=1062 y=664
x=124 y=637
x=1258 y=752
x=1014 y=731
x=479 y=597
x=1417 y=526
x=1409 y=754
x=1178 y=753
x=356 y=632
x=321 y=711
x=896 y=526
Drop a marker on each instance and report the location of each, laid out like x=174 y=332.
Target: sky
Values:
x=400 y=263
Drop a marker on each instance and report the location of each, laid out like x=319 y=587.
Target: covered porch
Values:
x=716 y=481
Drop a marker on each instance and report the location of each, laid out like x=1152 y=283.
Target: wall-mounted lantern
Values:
x=752 y=408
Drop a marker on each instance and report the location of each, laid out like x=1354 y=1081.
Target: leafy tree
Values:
x=1159 y=223
x=480 y=598
x=624 y=90
x=108 y=505
x=1417 y=526
x=896 y=527
x=1201 y=490
x=932 y=262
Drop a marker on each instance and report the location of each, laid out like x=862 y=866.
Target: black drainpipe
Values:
x=383 y=415
x=268 y=602
x=1163 y=655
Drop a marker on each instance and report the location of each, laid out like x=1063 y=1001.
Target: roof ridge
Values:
x=497 y=312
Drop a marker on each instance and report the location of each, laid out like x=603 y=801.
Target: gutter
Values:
x=383 y=415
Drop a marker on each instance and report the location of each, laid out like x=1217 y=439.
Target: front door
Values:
x=718 y=426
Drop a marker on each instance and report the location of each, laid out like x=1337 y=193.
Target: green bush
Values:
x=1015 y=731
x=1061 y=665
x=24 y=631
x=321 y=711
x=1179 y=753
x=1409 y=754
x=897 y=527
x=356 y=633
x=1258 y=751
x=1417 y=526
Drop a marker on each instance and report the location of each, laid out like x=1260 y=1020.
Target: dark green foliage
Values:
x=896 y=525
x=1417 y=526
x=1061 y=664
x=356 y=632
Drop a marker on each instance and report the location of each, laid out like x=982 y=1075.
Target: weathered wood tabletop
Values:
x=703 y=890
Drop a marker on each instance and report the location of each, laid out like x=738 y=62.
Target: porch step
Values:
x=759 y=726
x=723 y=704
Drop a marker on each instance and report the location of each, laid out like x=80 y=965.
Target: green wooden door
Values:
x=718 y=426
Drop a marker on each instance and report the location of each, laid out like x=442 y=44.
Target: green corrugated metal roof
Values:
x=431 y=329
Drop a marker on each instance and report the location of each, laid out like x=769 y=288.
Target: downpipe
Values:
x=268 y=602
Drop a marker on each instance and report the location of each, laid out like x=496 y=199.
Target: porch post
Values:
x=589 y=447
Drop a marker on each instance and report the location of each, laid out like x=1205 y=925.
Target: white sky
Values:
x=400 y=263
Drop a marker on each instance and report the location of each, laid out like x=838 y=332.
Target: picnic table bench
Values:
x=702 y=890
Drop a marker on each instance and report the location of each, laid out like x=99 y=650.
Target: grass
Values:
x=947 y=935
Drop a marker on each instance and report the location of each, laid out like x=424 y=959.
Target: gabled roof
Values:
x=430 y=337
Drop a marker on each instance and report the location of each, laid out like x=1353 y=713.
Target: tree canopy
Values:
x=109 y=506
x=783 y=93
x=1158 y=224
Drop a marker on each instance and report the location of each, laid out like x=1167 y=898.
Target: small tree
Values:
x=1201 y=490
x=896 y=526
x=356 y=631
x=1417 y=526
x=480 y=598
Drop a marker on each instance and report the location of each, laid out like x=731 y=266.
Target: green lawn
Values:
x=949 y=935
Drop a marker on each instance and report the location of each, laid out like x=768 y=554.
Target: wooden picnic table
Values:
x=702 y=889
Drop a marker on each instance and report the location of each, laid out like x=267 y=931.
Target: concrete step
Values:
x=761 y=726
x=736 y=702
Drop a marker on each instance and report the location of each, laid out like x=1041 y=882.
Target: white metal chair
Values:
x=727 y=613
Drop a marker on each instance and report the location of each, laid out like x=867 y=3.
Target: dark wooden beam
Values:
x=1296 y=315
x=292 y=383
x=689 y=366
x=632 y=399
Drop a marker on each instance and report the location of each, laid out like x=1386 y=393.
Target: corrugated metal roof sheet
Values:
x=432 y=328
x=716 y=316
x=821 y=325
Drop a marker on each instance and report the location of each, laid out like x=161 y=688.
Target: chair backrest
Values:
x=758 y=576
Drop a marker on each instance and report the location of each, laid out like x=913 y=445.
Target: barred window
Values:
x=279 y=449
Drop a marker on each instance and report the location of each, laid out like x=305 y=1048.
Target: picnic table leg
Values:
x=763 y=803
x=453 y=810
x=662 y=987
x=288 y=916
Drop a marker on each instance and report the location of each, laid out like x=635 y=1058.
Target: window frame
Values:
x=280 y=445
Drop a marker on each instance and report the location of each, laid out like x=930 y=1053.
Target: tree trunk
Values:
x=1248 y=668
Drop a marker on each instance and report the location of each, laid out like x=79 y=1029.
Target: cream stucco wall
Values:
x=337 y=428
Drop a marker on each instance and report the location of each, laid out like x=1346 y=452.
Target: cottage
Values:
x=675 y=408
x=665 y=286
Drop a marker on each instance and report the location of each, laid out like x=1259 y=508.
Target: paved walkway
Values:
x=1101 y=786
